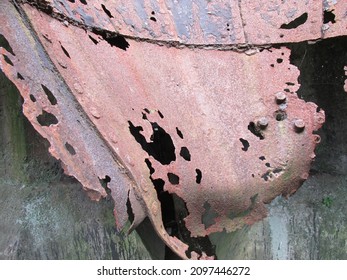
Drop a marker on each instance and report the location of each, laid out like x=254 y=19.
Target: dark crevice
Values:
x=19 y=76
x=93 y=40
x=262 y=158
x=70 y=149
x=198 y=176
x=328 y=16
x=115 y=40
x=84 y=2
x=7 y=59
x=107 y=12
x=65 y=51
x=185 y=153
x=32 y=98
x=149 y=165
x=161 y=146
x=173 y=178
x=160 y=114
x=153 y=19
x=50 y=95
x=5 y=44
x=179 y=133
x=72 y=1
x=255 y=130
x=245 y=144
x=46 y=119
x=174 y=210
x=296 y=22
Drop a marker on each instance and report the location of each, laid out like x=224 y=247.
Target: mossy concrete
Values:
x=45 y=214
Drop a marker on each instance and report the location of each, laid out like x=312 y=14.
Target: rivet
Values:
x=299 y=125
x=263 y=122
x=280 y=97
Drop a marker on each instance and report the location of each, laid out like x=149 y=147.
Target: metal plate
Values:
x=223 y=132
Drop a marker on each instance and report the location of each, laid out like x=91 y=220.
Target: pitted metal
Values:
x=221 y=131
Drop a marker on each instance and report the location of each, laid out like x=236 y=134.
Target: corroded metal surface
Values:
x=201 y=22
x=222 y=131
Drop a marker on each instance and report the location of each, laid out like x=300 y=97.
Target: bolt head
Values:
x=280 y=97
x=299 y=125
x=263 y=122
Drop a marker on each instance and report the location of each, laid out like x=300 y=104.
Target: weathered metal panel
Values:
x=281 y=21
x=334 y=18
x=223 y=131
x=55 y=114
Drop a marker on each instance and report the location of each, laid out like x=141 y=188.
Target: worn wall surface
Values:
x=45 y=214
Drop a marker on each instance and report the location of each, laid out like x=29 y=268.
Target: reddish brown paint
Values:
x=250 y=140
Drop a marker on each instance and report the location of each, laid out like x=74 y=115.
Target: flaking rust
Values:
x=218 y=134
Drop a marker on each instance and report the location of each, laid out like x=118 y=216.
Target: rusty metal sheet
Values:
x=206 y=23
x=186 y=22
x=281 y=21
x=221 y=131
x=334 y=18
x=55 y=114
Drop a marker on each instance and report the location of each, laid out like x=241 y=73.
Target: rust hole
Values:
x=32 y=98
x=179 y=133
x=50 y=95
x=254 y=129
x=5 y=44
x=161 y=146
x=160 y=114
x=329 y=16
x=185 y=153
x=114 y=40
x=65 y=51
x=104 y=182
x=70 y=149
x=245 y=144
x=8 y=60
x=173 y=178
x=107 y=12
x=84 y=2
x=72 y=1
x=46 y=119
x=296 y=22
x=93 y=40
x=19 y=76
x=198 y=176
